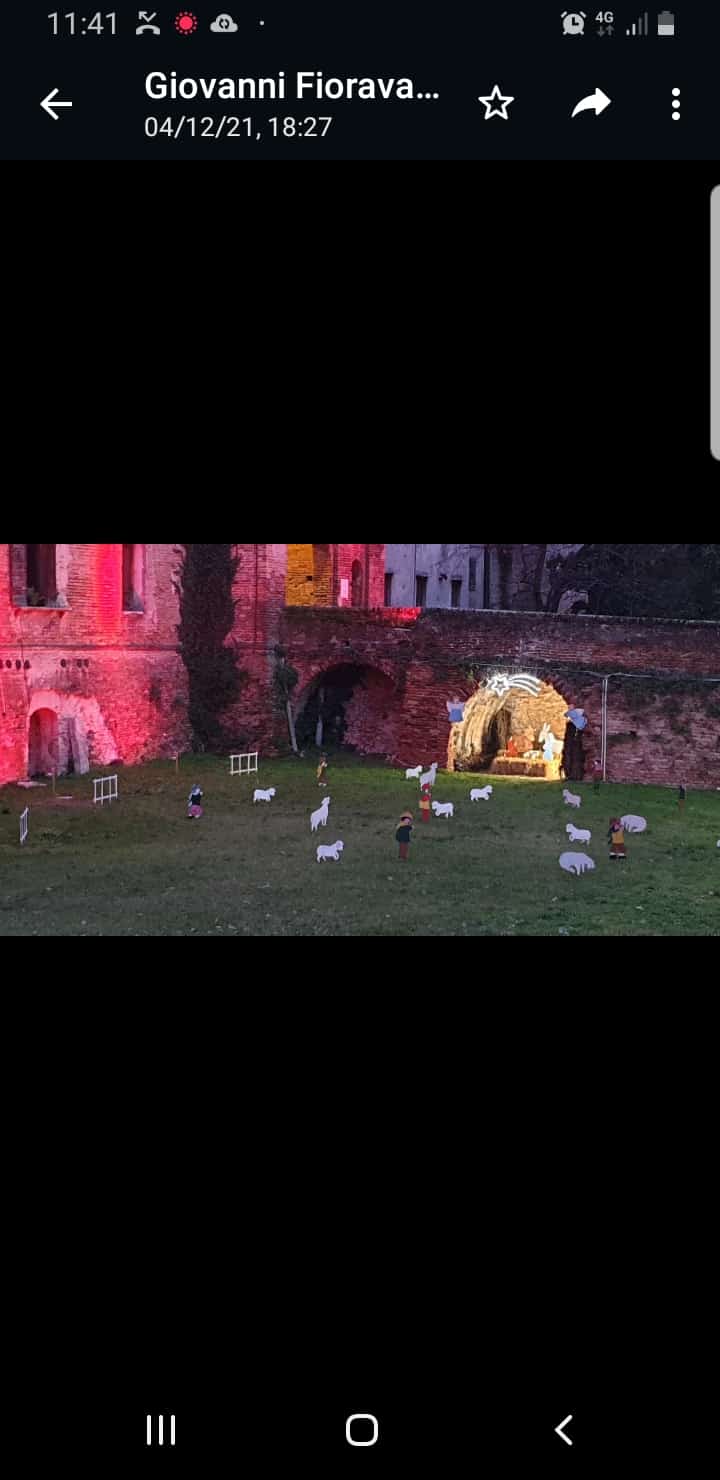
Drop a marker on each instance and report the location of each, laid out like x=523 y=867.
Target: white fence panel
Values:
x=105 y=789
x=244 y=765
x=24 y=824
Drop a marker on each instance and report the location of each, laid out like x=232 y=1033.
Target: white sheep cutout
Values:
x=576 y=863
x=634 y=824
x=443 y=809
x=325 y=852
x=428 y=779
x=320 y=817
x=571 y=800
x=264 y=796
x=481 y=794
x=578 y=834
x=413 y=774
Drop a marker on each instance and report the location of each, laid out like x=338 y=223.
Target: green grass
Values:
x=139 y=867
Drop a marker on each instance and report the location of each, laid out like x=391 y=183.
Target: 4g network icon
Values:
x=574 y=23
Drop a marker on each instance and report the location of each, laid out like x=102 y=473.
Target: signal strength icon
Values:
x=640 y=27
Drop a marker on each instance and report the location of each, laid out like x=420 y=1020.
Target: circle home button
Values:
x=362 y=1418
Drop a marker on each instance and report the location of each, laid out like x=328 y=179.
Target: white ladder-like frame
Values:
x=105 y=789
x=240 y=769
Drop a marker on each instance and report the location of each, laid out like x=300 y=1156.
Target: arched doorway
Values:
x=512 y=729
x=67 y=733
x=43 y=743
x=350 y=706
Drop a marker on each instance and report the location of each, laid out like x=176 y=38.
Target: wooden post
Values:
x=291 y=726
x=319 y=726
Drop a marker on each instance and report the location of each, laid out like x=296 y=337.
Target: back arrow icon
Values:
x=52 y=101
x=598 y=101
x=561 y=1426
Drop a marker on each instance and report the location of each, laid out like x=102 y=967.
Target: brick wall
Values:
x=114 y=679
x=267 y=576
x=370 y=559
x=426 y=656
x=309 y=575
x=316 y=575
x=259 y=593
x=372 y=715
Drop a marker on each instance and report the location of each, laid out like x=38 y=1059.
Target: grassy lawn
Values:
x=139 y=867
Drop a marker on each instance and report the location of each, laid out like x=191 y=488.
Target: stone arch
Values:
x=83 y=737
x=359 y=704
x=502 y=725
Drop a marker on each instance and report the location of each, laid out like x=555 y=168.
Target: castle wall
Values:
x=661 y=728
x=108 y=684
x=267 y=577
x=113 y=679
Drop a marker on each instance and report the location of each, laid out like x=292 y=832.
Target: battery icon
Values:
x=666 y=23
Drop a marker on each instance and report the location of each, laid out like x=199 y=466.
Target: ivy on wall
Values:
x=670 y=693
x=207 y=616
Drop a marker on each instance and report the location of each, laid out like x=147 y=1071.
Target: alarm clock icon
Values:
x=573 y=22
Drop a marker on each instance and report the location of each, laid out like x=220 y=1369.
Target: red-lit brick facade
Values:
x=89 y=666
x=93 y=674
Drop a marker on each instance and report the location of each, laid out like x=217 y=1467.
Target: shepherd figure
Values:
x=194 y=803
x=616 y=838
x=403 y=834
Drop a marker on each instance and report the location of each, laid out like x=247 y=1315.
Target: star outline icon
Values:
x=496 y=96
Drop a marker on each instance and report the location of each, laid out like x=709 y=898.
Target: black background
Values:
x=458 y=50
x=562 y=315
x=248 y=1244
x=470 y=1219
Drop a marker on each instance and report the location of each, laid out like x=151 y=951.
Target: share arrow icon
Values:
x=597 y=101
x=561 y=1426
